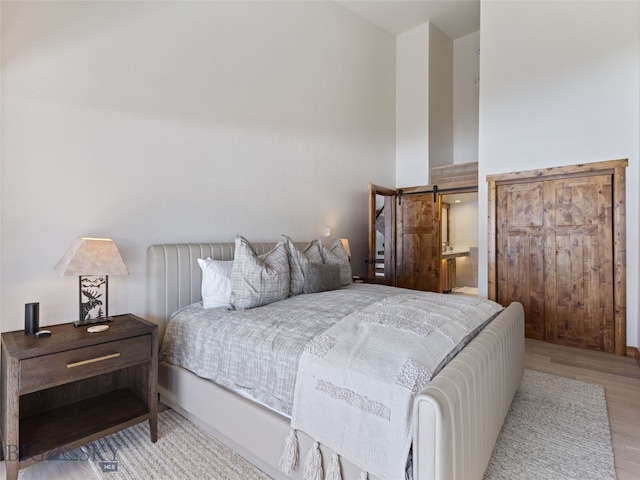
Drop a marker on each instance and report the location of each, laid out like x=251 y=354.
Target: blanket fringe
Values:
x=313 y=463
x=364 y=475
x=289 y=459
x=333 y=471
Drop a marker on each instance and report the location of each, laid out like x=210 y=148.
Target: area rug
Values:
x=183 y=452
x=556 y=429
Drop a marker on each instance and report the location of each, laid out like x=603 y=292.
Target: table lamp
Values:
x=345 y=245
x=93 y=260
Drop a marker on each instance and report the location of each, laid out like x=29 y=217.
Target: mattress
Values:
x=263 y=364
x=256 y=352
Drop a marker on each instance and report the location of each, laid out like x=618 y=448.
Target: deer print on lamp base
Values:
x=94 y=299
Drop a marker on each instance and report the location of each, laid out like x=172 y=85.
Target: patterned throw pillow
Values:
x=258 y=279
x=336 y=255
x=298 y=259
x=321 y=278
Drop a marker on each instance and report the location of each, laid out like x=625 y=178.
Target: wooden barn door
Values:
x=578 y=251
x=556 y=253
x=520 y=244
x=418 y=242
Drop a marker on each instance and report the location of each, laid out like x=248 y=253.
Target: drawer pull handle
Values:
x=92 y=360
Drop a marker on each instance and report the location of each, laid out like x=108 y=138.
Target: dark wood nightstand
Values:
x=69 y=389
x=377 y=280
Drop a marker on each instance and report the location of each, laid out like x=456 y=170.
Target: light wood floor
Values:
x=620 y=377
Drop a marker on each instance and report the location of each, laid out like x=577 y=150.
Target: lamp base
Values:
x=91 y=321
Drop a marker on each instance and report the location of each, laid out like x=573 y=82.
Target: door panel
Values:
x=519 y=253
x=418 y=242
x=579 y=226
x=521 y=277
x=382 y=219
x=555 y=256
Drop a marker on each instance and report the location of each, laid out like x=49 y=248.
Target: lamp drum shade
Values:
x=92 y=256
x=345 y=245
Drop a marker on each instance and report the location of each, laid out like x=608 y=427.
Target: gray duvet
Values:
x=257 y=351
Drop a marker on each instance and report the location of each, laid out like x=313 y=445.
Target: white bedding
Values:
x=356 y=382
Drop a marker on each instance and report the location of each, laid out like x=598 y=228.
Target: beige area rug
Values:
x=556 y=429
x=183 y=452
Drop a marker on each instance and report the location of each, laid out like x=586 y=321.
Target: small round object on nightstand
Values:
x=97 y=328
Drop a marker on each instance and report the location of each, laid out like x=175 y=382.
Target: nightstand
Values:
x=69 y=389
x=376 y=280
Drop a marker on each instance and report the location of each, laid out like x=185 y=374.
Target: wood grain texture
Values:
x=560 y=251
x=48 y=406
x=418 y=243
x=492 y=292
x=461 y=173
x=520 y=271
x=47 y=371
x=447 y=275
x=389 y=233
x=620 y=258
x=417 y=264
x=598 y=168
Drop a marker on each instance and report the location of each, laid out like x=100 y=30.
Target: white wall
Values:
x=437 y=102
x=466 y=91
x=152 y=122
x=463 y=218
x=412 y=107
x=559 y=85
x=440 y=98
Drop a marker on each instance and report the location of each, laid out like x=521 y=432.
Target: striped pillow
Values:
x=258 y=279
x=336 y=255
x=298 y=259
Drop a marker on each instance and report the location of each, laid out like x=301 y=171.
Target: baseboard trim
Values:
x=633 y=352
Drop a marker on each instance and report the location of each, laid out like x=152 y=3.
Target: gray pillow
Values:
x=298 y=259
x=336 y=255
x=320 y=278
x=258 y=279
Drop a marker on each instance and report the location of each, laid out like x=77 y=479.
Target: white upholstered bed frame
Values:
x=457 y=417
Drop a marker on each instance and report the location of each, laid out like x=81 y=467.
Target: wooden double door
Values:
x=556 y=253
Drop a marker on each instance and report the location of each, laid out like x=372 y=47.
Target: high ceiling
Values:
x=456 y=18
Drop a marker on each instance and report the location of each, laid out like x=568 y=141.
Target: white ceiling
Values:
x=456 y=18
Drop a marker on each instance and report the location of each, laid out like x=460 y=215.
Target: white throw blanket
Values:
x=356 y=382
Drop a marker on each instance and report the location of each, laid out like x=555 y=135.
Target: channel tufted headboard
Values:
x=174 y=277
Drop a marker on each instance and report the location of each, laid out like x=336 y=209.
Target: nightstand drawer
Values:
x=64 y=367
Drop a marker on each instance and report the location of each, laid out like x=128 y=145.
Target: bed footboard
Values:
x=459 y=415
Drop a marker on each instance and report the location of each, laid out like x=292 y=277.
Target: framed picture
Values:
x=93 y=298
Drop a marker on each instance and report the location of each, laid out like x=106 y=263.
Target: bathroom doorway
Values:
x=460 y=242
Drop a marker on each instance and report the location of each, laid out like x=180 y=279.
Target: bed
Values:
x=456 y=418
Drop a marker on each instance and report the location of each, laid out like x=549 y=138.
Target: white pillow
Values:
x=216 y=282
